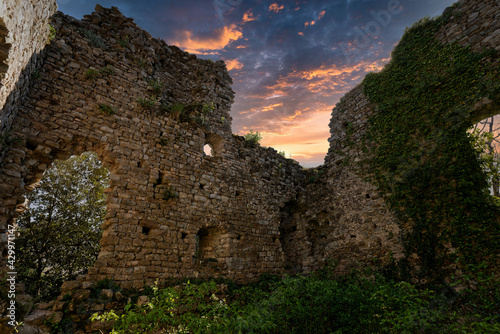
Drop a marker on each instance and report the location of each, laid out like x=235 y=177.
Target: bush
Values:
x=359 y=303
x=253 y=138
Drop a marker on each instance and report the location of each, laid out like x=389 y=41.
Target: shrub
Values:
x=91 y=74
x=253 y=138
x=108 y=110
x=146 y=103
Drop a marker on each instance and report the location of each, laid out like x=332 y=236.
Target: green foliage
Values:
x=253 y=138
x=484 y=143
x=208 y=107
x=96 y=289
x=173 y=110
x=91 y=74
x=321 y=303
x=194 y=114
x=93 y=39
x=106 y=109
x=156 y=85
x=146 y=103
x=51 y=35
x=35 y=75
x=142 y=63
x=314 y=175
x=108 y=69
x=169 y=193
x=163 y=141
x=124 y=42
x=420 y=154
x=59 y=235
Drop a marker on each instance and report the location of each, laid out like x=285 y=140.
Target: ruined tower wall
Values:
x=147 y=110
x=344 y=219
x=24 y=30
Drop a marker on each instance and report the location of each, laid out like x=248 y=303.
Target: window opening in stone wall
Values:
x=215 y=143
x=208 y=244
x=59 y=233
x=145 y=230
x=208 y=150
x=486 y=138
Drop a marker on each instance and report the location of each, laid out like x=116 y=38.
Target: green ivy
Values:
x=420 y=153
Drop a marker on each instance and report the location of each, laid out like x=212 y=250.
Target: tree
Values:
x=58 y=236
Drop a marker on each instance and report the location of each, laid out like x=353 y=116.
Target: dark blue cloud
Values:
x=293 y=61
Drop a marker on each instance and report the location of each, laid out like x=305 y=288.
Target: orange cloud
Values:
x=233 y=64
x=248 y=17
x=276 y=8
x=321 y=14
x=194 y=44
x=327 y=79
x=271 y=107
x=307 y=141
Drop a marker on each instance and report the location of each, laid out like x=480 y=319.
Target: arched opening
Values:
x=209 y=244
x=214 y=145
x=4 y=50
x=486 y=137
x=59 y=233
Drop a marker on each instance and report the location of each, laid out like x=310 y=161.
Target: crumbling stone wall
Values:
x=354 y=225
x=24 y=29
x=172 y=211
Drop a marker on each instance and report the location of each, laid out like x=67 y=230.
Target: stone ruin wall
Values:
x=24 y=29
x=225 y=219
x=340 y=217
x=242 y=212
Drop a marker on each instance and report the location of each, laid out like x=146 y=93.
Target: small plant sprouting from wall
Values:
x=156 y=85
x=169 y=193
x=208 y=107
x=93 y=39
x=51 y=35
x=163 y=141
x=146 y=103
x=124 y=42
x=108 y=69
x=91 y=74
x=253 y=138
x=35 y=75
x=106 y=109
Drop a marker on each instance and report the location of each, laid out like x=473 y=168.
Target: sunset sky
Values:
x=291 y=61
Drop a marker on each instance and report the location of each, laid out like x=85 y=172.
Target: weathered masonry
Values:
x=148 y=109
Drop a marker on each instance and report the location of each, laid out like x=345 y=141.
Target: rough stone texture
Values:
x=173 y=211
x=24 y=29
x=223 y=217
x=474 y=23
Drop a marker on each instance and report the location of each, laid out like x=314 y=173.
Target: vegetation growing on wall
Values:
x=423 y=157
x=321 y=303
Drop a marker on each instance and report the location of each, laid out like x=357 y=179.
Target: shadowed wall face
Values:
x=148 y=110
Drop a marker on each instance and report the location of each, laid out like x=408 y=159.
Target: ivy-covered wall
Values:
x=404 y=132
